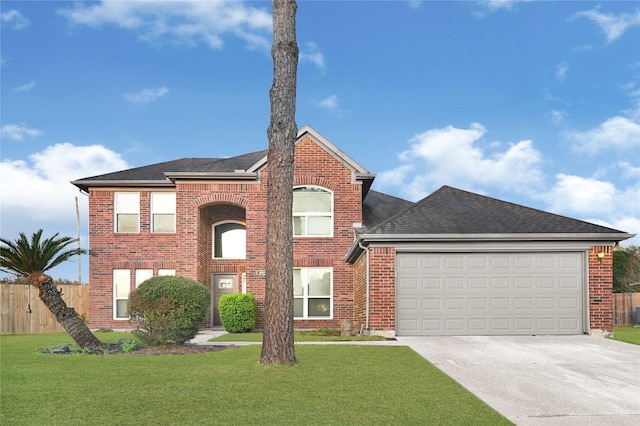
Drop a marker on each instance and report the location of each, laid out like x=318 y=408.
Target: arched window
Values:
x=229 y=240
x=312 y=212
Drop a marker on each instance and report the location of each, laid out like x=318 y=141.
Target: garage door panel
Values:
x=466 y=294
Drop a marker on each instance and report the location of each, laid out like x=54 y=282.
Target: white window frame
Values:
x=306 y=297
x=142 y=275
x=157 y=208
x=119 y=208
x=120 y=274
x=166 y=272
x=307 y=215
x=213 y=238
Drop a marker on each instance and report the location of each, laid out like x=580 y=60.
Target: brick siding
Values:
x=199 y=205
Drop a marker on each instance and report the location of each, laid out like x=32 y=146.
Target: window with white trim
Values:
x=163 y=212
x=142 y=275
x=229 y=240
x=164 y=272
x=313 y=293
x=312 y=212
x=121 y=289
x=127 y=211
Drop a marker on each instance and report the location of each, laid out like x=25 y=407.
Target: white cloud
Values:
x=558 y=117
x=617 y=132
x=594 y=199
x=577 y=195
x=452 y=156
x=494 y=5
x=25 y=87
x=331 y=104
x=561 y=70
x=145 y=96
x=18 y=132
x=611 y=24
x=187 y=21
x=310 y=52
x=39 y=191
x=14 y=19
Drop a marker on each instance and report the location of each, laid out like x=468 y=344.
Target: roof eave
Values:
x=609 y=236
x=84 y=185
x=238 y=175
x=366 y=239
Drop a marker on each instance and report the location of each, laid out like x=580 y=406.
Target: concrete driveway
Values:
x=543 y=380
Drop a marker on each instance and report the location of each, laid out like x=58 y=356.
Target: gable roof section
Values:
x=451 y=214
x=242 y=167
x=359 y=173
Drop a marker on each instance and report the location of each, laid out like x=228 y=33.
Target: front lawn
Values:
x=331 y=384
x=627 y=334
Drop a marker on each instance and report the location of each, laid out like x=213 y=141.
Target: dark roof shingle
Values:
x=453 y=211
x=156 y=172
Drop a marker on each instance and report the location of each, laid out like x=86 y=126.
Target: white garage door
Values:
x=489 y=293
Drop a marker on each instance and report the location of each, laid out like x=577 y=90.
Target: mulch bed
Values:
x=116 y=349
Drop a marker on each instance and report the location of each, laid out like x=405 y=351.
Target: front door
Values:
x=220 y=284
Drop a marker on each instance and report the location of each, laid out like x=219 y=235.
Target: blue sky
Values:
x=536 y=103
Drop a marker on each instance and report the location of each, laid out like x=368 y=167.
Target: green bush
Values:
x=168 y=309
x=237 y=312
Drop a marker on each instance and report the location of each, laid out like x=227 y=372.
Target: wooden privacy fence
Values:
x=16 y=299
x=625 y=308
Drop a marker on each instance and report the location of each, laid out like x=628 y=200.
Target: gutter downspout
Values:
x=366 y=249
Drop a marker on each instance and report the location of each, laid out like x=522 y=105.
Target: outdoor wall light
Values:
x=600 y=256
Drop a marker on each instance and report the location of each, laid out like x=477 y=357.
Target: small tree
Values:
x=168 y=309
x=31 y=259
x=626 y=269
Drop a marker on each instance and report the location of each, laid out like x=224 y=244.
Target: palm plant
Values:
x=31 y=259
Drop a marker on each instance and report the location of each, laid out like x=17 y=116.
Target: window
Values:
x=162 y=272
x=229 y=240
x=163 y=212
x=121 y=288
x=142 y=275
x=127 y=211
x=312 y=212
x=312 y=293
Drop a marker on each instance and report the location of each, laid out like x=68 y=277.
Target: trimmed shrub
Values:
x=168 y=309
x=237 y=312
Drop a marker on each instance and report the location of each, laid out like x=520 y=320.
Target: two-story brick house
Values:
x=453 y=263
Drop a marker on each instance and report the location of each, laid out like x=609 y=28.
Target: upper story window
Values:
x=312 y=212
x=127 y=211
x=163 y=212
x=229 y=240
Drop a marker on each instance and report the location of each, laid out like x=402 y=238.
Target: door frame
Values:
x=216 y=292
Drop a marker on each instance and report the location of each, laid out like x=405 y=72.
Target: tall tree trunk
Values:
x=66 y=316
x=277 y=343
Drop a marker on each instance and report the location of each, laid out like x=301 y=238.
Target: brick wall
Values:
x=199 y=205
x=360 y=293
x=382 y=293
x=601 y=288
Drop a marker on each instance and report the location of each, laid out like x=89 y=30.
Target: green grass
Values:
x=627 y=334
x=321 y=335
x=331 y=384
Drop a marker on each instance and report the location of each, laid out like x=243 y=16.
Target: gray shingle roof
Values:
x=378 y=207
x=156 y=172
x=453 y=211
